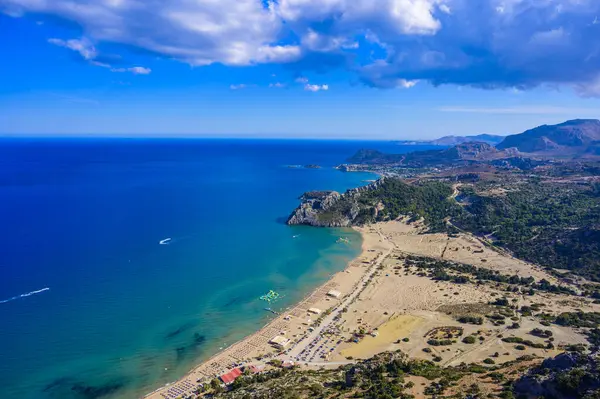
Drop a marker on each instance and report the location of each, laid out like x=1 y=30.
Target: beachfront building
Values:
x=231 y=376
x=334 y=294
x=280 y=342
x=315 y=310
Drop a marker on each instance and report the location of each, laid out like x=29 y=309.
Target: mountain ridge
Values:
x=576 y=134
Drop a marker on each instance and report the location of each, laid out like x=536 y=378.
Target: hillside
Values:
x=574 y=136
x=386 y=199
x=464 y=152
x=552 y=224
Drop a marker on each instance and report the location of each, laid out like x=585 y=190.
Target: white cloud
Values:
x=445 y=9
x=302 y=79
x=88 y=52
x=384 y=16
x=481 y=43
x=277 y=85
x=314 y=41
x=235 y=32
x=83 y=46
x=133 y=70
x=238 y=86
x=406 y=84
x=276 y=54
x=315 y=88
x=232 y=32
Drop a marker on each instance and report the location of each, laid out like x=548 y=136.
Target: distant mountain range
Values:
x=454 y=140
x=571 y=139
x=577 y=136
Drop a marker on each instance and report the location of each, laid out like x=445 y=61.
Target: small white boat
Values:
x=166 y=241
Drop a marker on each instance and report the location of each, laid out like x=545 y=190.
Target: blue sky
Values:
x=387 y=69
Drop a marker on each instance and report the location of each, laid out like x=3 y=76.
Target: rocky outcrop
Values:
x=314 y=203
x=568 y=375
x=330 y=208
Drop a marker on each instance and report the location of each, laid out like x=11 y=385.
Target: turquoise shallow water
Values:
x=123 y=314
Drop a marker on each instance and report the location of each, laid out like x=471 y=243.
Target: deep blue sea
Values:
x=114 y=314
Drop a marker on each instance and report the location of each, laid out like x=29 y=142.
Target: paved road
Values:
x=294 y=352
x=318 y=364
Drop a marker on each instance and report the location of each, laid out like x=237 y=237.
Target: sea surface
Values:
x=93 y=306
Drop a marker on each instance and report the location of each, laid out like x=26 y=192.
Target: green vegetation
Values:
x=555 y=225
x=383 y=376
x=569 y=375
x=538 y=332
x=469 y=339
x=578 y=319
x=428 y=200
x=440 y=342
x=478 y=320
x=526 y=342
x=438 y=268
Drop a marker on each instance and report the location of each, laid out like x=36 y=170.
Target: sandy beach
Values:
x=293 y=323
x=391 y=306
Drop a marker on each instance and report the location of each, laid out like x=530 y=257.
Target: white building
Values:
x=315 y=310
x=280 y=341
x=334 y=294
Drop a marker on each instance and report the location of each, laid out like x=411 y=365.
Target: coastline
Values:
x=386 y=303
x=256 y=345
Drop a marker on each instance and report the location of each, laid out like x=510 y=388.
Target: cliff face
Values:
x=314 y=203
x=330 y=208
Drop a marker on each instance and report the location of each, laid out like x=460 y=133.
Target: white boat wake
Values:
x=14 y=298
x=166 y=241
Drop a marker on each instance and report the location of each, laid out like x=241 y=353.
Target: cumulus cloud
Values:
x=238 y=86
x=233 y=32
x=387 y=43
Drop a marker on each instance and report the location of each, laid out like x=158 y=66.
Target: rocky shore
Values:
x=330 y=208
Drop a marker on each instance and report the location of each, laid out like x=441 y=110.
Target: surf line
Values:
x=14 y=298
